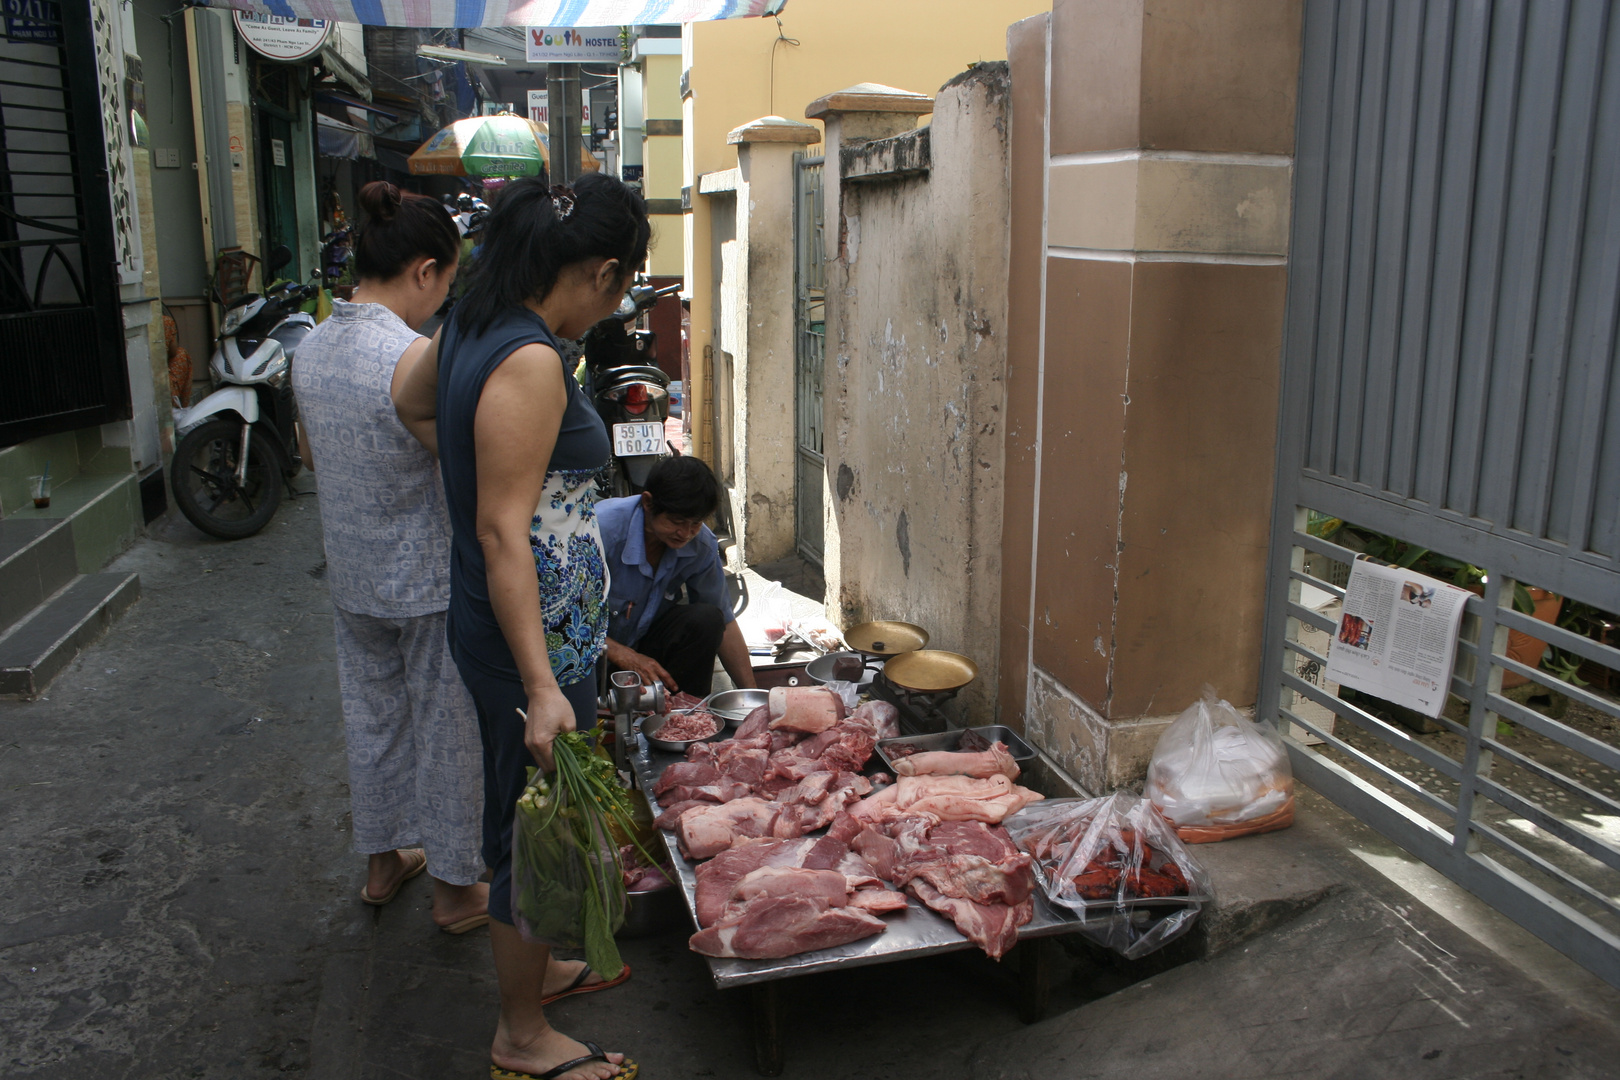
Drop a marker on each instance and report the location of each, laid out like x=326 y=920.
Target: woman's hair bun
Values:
x=380 y=200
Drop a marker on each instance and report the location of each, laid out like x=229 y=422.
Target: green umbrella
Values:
x=503 y=145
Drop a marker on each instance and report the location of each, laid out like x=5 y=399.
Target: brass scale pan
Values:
x=910 y=665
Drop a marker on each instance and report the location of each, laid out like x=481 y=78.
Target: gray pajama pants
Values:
x=416 y=762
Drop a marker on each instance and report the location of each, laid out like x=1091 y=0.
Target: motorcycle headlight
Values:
x=233 y=319
x=278 y=378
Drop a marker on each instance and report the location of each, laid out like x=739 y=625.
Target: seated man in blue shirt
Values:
x=656 y=542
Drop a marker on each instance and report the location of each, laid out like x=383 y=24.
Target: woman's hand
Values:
x=625 y=658
x=550 y=715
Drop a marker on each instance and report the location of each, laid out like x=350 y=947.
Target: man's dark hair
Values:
x=683 y=487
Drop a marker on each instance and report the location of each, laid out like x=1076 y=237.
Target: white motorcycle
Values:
x=239 y=445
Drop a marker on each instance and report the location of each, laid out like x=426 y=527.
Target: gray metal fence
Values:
x=811 y=317
x=1450 y=381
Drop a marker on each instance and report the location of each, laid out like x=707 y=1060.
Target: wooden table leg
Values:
x=1033 y=980
x=765 y=1016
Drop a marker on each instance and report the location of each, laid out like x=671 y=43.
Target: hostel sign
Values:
x=282 y=37
x=572 y=44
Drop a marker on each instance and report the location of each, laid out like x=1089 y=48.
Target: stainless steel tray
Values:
x=948 y=740
x=913 y=932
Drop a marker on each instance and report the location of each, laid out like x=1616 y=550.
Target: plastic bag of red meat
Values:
x=1118 y=864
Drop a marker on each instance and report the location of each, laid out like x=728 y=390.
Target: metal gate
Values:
x=61 y=327
x=1450 y=386
x=810 y=322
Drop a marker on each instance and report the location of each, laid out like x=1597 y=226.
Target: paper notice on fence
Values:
x=1397 y=636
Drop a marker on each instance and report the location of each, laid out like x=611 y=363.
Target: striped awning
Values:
x=470 y=13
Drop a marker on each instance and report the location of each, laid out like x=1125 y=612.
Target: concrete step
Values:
x=39 y=646
x=103 y=510
x=36 y=559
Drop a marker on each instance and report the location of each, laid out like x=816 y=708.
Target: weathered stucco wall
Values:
x=916 y=350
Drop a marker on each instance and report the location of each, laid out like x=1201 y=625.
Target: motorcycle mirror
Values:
x=279 y=256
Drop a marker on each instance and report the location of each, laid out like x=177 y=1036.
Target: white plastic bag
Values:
x=1216 y=775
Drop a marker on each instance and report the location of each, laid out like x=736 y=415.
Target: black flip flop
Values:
x=627 y=1068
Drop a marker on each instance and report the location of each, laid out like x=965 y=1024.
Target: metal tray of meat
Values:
x=949 y=740
x=1049 y=890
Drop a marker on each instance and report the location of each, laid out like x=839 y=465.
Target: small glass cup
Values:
x=39 y=488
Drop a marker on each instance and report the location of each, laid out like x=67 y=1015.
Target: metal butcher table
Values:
x=912 y=933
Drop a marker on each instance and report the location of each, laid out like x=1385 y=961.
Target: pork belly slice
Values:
x=949 y=798
x=805 y=709
x=992 y=927
x=722 y=790
x=997 y=760
x=719 y=876
x=706 y=831
x=827 y=887
x=774 y=927
x=973 y=877
x=670 y=816
x=686 y=774
x=878 y=901
x=756 y=723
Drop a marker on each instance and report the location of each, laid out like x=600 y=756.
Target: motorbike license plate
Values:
x=632 y=440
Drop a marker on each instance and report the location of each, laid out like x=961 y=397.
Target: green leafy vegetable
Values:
x=568 y=882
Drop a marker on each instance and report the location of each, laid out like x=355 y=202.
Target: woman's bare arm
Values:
x=415 y=390
x=519 y=415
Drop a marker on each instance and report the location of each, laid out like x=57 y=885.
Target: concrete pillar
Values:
x=763 y=372
x=859 y=114
x=1142 y=417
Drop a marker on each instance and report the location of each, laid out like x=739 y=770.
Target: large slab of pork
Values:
x=882 y=717
x=948 y=798
x=992 y=927
x=706 y=831
x=717 y=879
x=773 y=927
x=996 y=761
x=808 y=710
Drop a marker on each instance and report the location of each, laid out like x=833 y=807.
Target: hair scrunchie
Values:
x=562 y=200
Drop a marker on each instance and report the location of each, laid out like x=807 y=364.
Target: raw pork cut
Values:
x=882 y=717
x=706 y=831
x=805 y=709
x=985 y=763
x=776 y=926
x=992 y=927
x=949 y=798
x=827 y=886
x=717 y=877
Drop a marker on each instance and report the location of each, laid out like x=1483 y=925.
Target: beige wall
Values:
x=913 y=44
x=913 y=402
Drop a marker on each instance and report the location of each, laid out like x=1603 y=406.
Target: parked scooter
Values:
x=629 y=390
x=239 y=445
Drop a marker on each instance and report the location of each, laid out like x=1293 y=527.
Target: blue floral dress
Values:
x=573 y=573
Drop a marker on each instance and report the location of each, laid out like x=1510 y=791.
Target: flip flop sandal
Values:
x=461 y=926
x=578 y=985
x=627 y=1068
x=419 y=863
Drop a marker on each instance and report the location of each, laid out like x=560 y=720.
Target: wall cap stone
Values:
x=870 y=97
x=774 y=129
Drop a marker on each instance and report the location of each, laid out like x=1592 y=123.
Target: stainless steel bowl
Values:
x=653 y=724
x=733 y=706
x=821 y=668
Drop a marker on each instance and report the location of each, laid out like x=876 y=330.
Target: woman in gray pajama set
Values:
x=415 y=758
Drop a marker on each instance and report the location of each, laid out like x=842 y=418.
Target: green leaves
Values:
x=568 y=882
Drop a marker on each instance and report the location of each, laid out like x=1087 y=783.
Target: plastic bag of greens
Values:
x=568 y=885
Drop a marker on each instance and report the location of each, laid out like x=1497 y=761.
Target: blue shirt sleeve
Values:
x=708 y=584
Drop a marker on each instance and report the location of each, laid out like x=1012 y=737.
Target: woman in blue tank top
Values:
x=518 y=445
